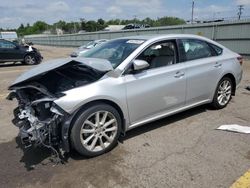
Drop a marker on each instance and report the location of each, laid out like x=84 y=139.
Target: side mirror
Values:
x=140 y=64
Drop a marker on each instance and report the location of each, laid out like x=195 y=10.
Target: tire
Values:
x=90 y=137
x=223 y=93
x=30 y=59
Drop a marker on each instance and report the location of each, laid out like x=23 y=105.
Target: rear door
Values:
x=203 y=69
x=158 y=89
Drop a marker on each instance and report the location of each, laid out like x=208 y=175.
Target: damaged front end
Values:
x=37 y=118
x=40 y=121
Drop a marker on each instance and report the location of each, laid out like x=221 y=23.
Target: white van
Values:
x=8 y=35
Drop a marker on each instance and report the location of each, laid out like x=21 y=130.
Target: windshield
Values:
x=116 y=51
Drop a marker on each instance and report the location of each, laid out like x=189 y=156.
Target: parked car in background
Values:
x=13 y=52
x=136 y=26
x=131 y=26
x=86 y=103
x=84 y=48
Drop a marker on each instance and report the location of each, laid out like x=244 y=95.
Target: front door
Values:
x=159 y=89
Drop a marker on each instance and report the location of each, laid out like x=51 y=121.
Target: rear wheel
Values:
x=30 y=59
x=96 y=130
x=223 y=93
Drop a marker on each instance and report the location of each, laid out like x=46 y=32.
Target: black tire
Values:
x=77 y=127
x=216 y=104
x=30 y=59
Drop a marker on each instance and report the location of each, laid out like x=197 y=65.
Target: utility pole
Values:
x=135 y=19
x=192 y=17
x=240 y=8
x=74 y=27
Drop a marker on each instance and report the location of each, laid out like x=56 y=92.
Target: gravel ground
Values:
x=183 y=150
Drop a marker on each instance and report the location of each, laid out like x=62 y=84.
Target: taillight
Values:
x=240 y=59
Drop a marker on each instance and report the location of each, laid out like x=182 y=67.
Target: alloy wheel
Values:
x=98 y=131
x=224 y=92
x=30 y=60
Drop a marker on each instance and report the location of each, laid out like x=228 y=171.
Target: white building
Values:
x=8 y=35
x=114 y=28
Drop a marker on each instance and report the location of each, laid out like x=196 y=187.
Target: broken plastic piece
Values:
x=235 y=128
x=30 y=49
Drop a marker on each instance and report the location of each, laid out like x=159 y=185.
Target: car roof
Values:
x=159 y=36
x=170 y=36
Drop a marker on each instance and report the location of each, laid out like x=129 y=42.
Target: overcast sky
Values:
x=15 y=12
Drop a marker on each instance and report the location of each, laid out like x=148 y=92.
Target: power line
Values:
x=240 y=12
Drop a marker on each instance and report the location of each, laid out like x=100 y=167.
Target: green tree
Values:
x=101 y=21
x=114 y=22
x=21 y=27
x=165 y=21
x=83 y=23
x=91 y=25
x=39 y=26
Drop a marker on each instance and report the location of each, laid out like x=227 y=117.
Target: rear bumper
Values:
x=239 y=77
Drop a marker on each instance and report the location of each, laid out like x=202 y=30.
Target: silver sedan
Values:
x=86 y=103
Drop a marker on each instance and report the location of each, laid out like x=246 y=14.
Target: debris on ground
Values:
x=235 y=128
x=248 y=88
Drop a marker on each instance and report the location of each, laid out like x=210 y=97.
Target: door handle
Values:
x=179 y=74
x=217 y=65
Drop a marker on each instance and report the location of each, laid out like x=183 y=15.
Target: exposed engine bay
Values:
x=37 y=117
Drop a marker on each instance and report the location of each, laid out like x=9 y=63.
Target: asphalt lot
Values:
x=183 y=150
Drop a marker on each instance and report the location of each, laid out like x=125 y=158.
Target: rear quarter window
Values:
x=216 y=49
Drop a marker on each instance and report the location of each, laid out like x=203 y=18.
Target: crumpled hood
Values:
x=95 y=63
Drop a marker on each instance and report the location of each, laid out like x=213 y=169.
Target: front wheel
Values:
x=30 y=59
x=96 y=130
x=223 y=93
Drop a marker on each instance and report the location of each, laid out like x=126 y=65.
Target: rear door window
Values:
x=196 y=49
x=6 y=44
